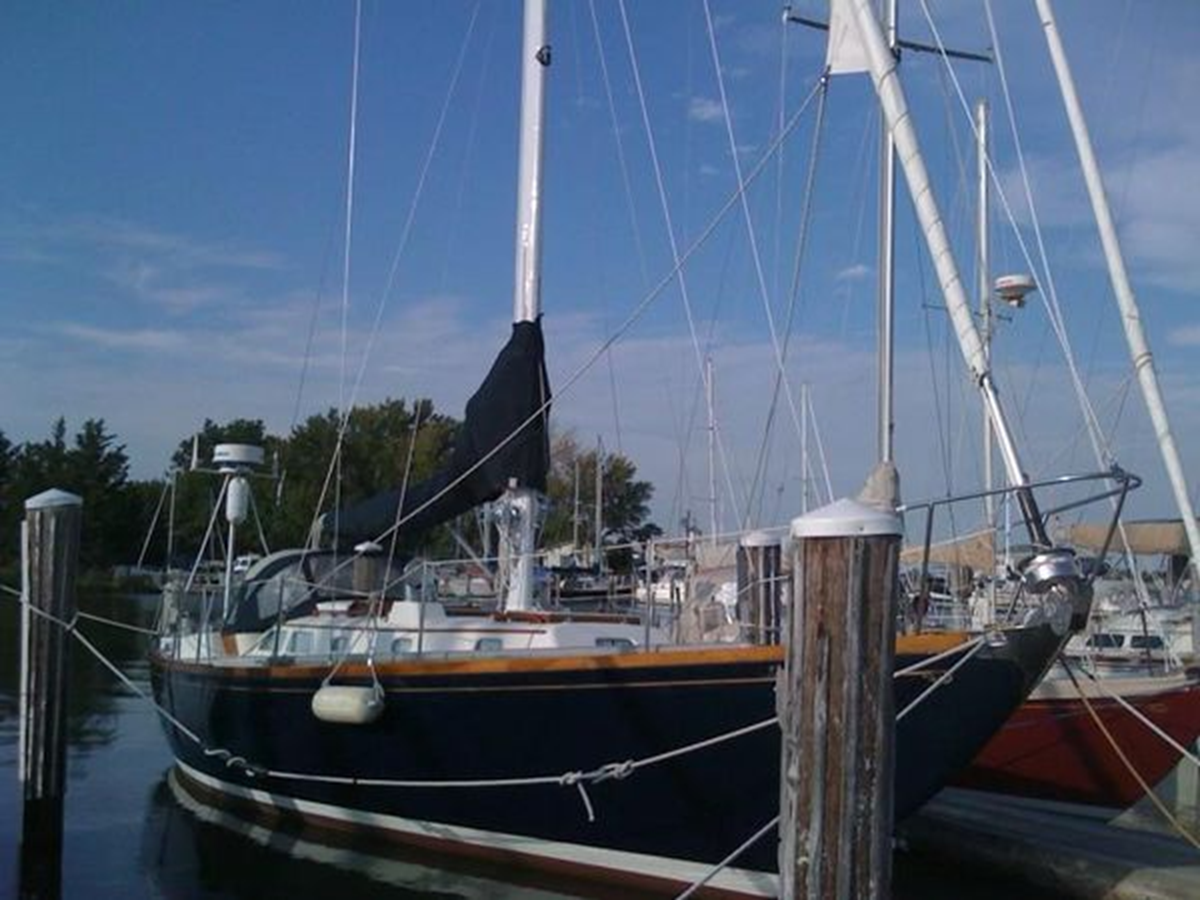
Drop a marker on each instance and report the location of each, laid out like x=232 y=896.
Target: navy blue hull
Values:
x=458 y=723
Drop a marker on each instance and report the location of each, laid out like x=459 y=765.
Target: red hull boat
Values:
x=1052 y=748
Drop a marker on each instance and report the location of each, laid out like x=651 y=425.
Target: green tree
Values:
x=97 y=469
x=303 y=478
x=625 y=506
x=10 y=502
x=94 y=466
x=375 y=457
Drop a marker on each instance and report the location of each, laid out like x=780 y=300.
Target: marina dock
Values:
x=1060 y=847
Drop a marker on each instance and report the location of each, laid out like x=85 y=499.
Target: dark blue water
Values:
x=129 y=833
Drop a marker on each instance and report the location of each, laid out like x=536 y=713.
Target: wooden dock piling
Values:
x=50 y=553
x=837 y=714
x=759 y=587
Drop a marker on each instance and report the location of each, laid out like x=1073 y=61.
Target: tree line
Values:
x=381 y=445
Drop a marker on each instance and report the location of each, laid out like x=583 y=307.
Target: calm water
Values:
x=128 y=834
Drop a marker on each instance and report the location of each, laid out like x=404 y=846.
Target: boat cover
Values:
x=504 y=437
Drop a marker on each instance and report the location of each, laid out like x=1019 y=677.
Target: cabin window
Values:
x=1145 y=642
x=1104 y=641
x=300 y=643
x=401 y=645
x=615 y=643
x=338 y=645
x=489 y=645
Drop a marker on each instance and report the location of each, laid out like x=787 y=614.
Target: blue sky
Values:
x=173 y=190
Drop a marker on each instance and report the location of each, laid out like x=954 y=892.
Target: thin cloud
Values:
x=856 y=272
x=183 y=250
x=144 y=339
x=705 y=109
x=164 y=285
x=1185 y=336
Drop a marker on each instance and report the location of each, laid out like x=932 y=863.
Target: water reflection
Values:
x=92 y=691
x=192 y=849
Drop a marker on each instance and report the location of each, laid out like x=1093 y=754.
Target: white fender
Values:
x=347 y=704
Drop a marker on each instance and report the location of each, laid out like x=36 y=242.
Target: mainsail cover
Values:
x=510 y=412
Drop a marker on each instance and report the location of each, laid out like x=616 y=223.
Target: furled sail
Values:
x=510 y=411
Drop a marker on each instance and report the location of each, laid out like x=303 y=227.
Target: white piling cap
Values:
x=847 y=518
x=761 y=539
x=52 y=498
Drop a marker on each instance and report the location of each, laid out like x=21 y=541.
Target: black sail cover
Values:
x=511 y=405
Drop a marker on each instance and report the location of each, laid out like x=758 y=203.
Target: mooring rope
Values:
x=724 y=864
x=1171 y=818
x=579 y=779
x=613 y=771
x=1141 y=717
x=942 y=679
x=928 y=661
x=69 y=628
x=113 y=623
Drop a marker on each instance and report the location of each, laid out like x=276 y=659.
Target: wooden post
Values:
x=50 y=553
x=758 y=565
x=837 y=713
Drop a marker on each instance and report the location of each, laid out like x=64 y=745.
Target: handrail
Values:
x=1123 y=483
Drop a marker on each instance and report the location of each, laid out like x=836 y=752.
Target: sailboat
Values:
x=1115 y=717
x=339 y=690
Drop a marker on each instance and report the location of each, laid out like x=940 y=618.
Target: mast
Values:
x=803 y=448
x=575 y=511
x=527 y=289
x=535 y=59
x=709 y=397
x=983 y=248
x=887 y=263
x=598 y=529
x=1135 y=336
x=985 y=289
x=882 y=65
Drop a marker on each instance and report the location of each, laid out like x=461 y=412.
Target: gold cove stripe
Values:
x=920 y=644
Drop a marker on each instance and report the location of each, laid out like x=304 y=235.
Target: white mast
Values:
x=598 y=529
x=804 y=448
x=983 y=248
x=575 y=512
x=535 y=59
x=527 y=300
x=1139 y=348
x=882 y=64
x=712 y=449
x=985 y=290
x=885 y=326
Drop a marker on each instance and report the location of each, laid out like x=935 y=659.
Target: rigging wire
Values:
x=781 y=105
x=759 y=481
x=402 y=245
x=749 y=222
x=623 y=165
x=1049 y=295
x=631 y=319
x=812 y=418
x=347 y=237
x=860 y=203
x=1100 y=444
x=666 y=211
